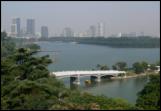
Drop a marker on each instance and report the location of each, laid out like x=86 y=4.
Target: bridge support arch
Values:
x=96 y=78
x=125 y=75
x=75 y=80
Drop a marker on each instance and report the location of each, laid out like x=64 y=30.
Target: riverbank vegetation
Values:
x=137 y=67
x=26 y=84
x=121 y=42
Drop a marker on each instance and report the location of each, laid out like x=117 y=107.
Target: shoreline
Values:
x=137 y=75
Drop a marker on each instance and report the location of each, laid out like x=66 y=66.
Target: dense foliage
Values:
x=87 y=101
x=34 y=47
x=26 y=83
x=149 y=97
x=7 y=46
x=140 y=67
x=123 y=42
x=120 y=66
x=102 y=67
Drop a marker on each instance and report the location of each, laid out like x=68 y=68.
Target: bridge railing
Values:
x=86 y=73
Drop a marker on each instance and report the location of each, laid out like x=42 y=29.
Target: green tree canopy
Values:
x=149 y=97
x=120 y=66
x=102 y=67
x=138 y=67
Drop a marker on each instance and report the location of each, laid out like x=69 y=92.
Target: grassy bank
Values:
x=131 y=74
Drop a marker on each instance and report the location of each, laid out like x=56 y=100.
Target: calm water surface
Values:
x=69 y=56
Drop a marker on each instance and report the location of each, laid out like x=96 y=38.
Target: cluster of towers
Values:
x=16 y=30
x=93 y=31
x=29 y=31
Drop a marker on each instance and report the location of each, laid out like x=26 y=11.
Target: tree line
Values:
x=137 y=67
x=123 y=42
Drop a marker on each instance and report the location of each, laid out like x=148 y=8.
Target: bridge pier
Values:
x=96 y=78
x=93 y=78
x=75 y=80
x=125 y=75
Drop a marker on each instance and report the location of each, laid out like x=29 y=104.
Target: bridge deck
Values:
x=86 y=73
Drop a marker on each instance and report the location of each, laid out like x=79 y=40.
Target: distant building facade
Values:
x=30 y=29
x=15 y=27
x=92 y=31
x=13 y=30
x=101 y=30
x=67 y=32
x=44 y=32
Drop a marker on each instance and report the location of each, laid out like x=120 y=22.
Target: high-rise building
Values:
x=23 y=31
x=67 y=32
x=15 y=27
x=92 y=31
x=30 y=31
x=44 y=31
x=101 y=30
x=14 y=30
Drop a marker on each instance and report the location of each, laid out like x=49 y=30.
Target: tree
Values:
x=138 y=68
x=149 y=97
x=158 y=63
x=120 y=66
x=3 y=35
x=153 y=67
x=102 y=67
x=7 y=45
x=114 y=67
x=145 y=65
x=30 y=94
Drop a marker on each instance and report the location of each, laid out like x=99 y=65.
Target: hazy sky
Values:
x=79 y=15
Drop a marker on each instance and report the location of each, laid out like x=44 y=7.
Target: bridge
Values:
x=96 y=74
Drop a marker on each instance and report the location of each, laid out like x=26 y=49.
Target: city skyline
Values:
x=93 y=31
x=29 y=31
x=58 y=15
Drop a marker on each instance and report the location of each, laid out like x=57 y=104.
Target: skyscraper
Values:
x=14 y=30
x=15 y=27
x=44 y=31
x=92 y=31
x=101 y=30
x=68 y=32
x=30 y=27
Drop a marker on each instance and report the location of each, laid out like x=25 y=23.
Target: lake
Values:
x=72 y=56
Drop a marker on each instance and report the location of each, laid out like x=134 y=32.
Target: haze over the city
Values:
x=118 y=17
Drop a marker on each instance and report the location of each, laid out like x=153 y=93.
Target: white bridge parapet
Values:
x=78 y=74
x=86 y=73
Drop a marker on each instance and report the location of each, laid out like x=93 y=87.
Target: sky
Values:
x=124 y=17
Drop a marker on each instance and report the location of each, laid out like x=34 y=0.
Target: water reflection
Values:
x=84 y=86
x=121 y=88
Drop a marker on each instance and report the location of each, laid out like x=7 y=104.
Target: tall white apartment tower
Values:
x=101 y=30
